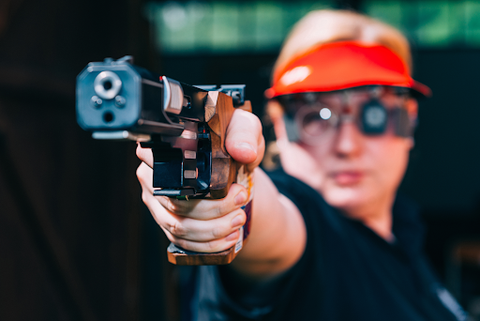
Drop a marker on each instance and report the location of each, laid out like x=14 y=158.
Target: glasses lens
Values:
x=314 y=122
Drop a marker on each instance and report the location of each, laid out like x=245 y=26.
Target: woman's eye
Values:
x=316 y=122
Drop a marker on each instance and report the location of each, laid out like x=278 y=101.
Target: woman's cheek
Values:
x=301 y=163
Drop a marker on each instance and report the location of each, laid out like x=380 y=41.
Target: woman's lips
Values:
x=346 y=178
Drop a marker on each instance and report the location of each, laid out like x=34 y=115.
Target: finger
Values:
x=207 y=209
x=244 y=141
x=206 y=247
x=145 y=177
x=145 y=155
x=189 y=229
x=196 y=209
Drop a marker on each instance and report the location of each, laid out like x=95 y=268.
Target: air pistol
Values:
x=184 y=125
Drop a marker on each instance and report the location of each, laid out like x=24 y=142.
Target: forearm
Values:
x=278 y=235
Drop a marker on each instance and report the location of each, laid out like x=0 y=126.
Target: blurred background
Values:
x=76 y=243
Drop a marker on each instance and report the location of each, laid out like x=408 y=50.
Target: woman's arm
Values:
x=278 y=234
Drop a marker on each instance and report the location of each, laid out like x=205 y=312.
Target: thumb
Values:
x=244 y=141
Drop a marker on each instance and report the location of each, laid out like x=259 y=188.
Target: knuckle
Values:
x=170 y=237
x=212 y=246
x=141 y=152
x=219 y=210
x=217 y=233
x=145 y=197
x=176 y=206
x=138 y=150
x=182 y=243
x=177 y=229
x=167 y=204
x=139 y=174
x=142 y=173
x=180 y=207
x=225 y=207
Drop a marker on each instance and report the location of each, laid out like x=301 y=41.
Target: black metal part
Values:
x=237 y=92
x=174 y=192
x=195 y=109
x=170 y=162
x=204 y=159
x=167 y=168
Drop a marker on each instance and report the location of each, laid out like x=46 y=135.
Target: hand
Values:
x=207 y=225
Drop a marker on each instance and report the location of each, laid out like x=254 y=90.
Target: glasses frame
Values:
x=297 y=106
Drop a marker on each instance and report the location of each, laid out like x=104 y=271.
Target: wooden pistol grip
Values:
x=195 y=258
x=218 y=113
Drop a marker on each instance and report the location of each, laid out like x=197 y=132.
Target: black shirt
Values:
x=347 y=272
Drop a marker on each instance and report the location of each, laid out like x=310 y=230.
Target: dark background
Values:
x=75 y=241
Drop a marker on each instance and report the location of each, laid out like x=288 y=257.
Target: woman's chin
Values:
x=347 y=199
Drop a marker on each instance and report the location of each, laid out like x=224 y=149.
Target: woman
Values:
x=329 y=239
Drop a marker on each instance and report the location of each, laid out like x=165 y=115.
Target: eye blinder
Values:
x=375 y=118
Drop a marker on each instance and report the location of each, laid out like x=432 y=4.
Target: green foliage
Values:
x=194 y=27
x=431 y=23
x=224 y=26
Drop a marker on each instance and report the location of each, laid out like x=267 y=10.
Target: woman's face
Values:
x=350 y=169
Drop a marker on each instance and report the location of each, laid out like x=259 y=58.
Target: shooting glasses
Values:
x=313 y=116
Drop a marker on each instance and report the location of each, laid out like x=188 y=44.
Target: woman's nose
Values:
x=348 y=140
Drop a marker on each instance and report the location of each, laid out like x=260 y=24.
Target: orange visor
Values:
x=341 y=65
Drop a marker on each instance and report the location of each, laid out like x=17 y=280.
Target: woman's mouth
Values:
x=347 y=178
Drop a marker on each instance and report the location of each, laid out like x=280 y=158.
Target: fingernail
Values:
x=232 y=236
x=241 y=198
x=245 y=145
x=237 y=221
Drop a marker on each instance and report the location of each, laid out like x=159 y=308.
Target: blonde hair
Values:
x=324 y=26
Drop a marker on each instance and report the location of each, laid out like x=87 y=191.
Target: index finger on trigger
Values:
x=145 y=155
x=207 y=209
x=244 y=137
